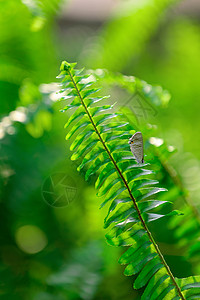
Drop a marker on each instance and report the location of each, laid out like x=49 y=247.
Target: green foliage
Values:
x=128 y=32
x=186 y=229
x=135 y=86
x=153 y=40
x=102 y=147
x=24 y=52
x=81 y=275
x=42 y=7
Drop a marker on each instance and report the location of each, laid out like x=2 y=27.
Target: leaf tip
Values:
x=65 y=66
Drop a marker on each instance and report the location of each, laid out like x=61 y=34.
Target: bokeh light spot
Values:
x=30 y=239
x=156 y=141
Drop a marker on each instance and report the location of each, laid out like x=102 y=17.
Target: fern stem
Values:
x=127 y=187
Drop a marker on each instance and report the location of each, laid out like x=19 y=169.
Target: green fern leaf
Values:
x=102 y=146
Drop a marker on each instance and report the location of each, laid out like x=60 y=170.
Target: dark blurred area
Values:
x=52 y=241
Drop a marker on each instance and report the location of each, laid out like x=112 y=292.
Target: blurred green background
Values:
x=52 y=237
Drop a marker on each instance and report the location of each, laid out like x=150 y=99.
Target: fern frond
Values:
x=104 y=151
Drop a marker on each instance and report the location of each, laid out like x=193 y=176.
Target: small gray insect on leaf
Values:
x=136 y=145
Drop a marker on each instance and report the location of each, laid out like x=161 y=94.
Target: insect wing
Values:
x=136 y=145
